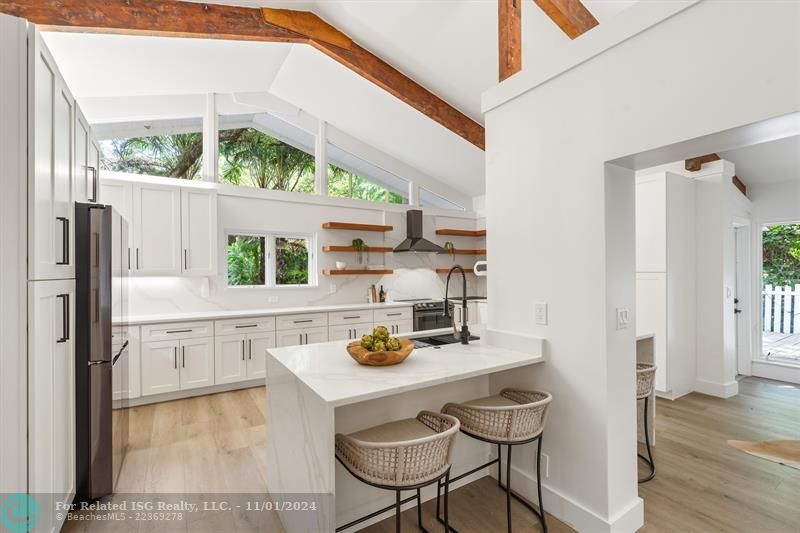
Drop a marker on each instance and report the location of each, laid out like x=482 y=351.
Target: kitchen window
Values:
x=270 y=260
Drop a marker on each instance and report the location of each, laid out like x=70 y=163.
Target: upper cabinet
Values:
x=156 y=225
x=172 y=230
x=51 y=112
x=198 y=232
x=87 y=161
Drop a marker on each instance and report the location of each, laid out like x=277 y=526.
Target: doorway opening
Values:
x=780 y=294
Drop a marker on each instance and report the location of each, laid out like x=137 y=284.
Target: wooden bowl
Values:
x=385 y=358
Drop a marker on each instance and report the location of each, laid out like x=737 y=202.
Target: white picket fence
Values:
x=780 y=309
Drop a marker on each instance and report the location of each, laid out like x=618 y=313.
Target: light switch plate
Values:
x=623 y=317
x=540 y=312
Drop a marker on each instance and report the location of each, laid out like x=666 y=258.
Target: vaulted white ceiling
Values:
x=449 y=46
x=766 y=163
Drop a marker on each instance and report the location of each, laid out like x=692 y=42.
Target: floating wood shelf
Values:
x=446 y=270
x=356 y=227
x=457 y=251
x=462 y=232
x=367 y=249
x=357 y=272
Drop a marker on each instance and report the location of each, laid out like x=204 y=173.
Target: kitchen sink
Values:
x=439 y=340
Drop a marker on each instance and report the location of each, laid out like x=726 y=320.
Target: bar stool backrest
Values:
x=515 y=423
x=645 y=379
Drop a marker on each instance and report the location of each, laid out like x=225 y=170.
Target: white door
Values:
x=397 y=327
x=742 y=314
x=85 y=181
x=257 y=345
x=315 y=335
x=156 y=230
x=229 y=354
x=347 y=332
x=51 y=397
x=198 y=232
x=50 y=197
x=160 y=371
x=290 y=337
x=197 y=363
x=120 y=196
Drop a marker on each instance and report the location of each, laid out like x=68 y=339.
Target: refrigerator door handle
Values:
x=64 y=318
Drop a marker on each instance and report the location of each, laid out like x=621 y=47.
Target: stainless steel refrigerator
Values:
x=101 y=422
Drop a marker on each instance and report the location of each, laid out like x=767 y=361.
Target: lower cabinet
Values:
x=349 y=331
x=173 y=365
x=125 y=375
x=295 y=337
x=51 y=398
x=400 y=326
x=242 y=357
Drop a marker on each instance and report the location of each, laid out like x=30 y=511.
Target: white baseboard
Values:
x=574 y=514
x=776 y=371
x=191 y=393
x=720 y=390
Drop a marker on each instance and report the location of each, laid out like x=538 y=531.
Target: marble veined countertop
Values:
x=135 y=320
x=337 y=379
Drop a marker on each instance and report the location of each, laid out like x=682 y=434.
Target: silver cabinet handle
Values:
x=179 y=331
x=393 y=314
x=175 y=356
x=94 y=184
x=351 y=317
x=240 y=326
x=250 y=349
x=242 y=349
x=304 y=321
x=183 y=356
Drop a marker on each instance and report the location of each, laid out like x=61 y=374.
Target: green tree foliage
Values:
x=291 y=261
x=175 y=156
x=255 y=159
x=344 y=184
x=245 y=260
x=782 y=254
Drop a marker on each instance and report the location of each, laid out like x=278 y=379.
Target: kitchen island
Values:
x=315 y=391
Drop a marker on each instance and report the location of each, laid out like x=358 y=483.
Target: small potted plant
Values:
x=451 y=249
x=360 y=247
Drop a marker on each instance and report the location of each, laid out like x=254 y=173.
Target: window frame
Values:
x=270 y=259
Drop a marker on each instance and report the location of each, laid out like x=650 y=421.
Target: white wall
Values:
x=549 y=208
x=242 y=209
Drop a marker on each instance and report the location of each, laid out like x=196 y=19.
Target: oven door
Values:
x=428 y=319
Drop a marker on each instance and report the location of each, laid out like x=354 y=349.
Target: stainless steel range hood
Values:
x=414 y=241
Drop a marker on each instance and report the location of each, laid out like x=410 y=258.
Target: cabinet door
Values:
x=198 y=232
x=156 y=230
x=83 y=183
x=160 y=372
x=399 y=326
x=120 y=196
x=229 y=359
x=315 y=335
x=290 y=337
x=346 y=332
x=50 y=196
x=257 y=345
x=197 y=363
x=51 y=396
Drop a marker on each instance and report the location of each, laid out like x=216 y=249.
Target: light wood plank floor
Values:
x=215 y=444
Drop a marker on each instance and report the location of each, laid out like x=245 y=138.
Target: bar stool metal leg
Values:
x=447 y=502
x=397 y=512
x=649 y=459
x=499 y=468
x=508 y=486
x=539 y=483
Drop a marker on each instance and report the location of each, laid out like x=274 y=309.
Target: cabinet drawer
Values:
x=306 y=320
x=393 y=315
x=177 y=330
x=361 y=316
x=235 y=326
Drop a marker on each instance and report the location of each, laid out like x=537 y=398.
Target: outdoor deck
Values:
x=781 y=347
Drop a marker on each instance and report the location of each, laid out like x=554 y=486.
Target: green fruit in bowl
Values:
x=393 y=344
x=379 y=346
x=368 y=341
x=381 y=333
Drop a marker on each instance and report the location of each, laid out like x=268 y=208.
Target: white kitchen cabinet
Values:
x=258 y=343
x=131 y=386
x=198 y=232
x=360 y=316
x=120 y=196
x=160 y=370
x=51 y=108
x=197 y=363
x=86 y=161
x=51 y=397
x=294 y=337
x=393 y=314
x=156 y=225
x=400 y=326
x=349 y=331
x=473 y=313
x=230 y=358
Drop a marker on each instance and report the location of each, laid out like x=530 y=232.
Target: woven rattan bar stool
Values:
x=404 y=455
x=645 y=384
x=511 y=418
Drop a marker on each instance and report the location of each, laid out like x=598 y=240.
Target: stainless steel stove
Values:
x=429 y=313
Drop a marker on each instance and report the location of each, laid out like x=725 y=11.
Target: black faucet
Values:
x=464 y=335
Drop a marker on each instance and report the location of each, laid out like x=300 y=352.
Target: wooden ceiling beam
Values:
x=174 y=18
x=739 y=184
x=509 y=37
x=570 y=15
x=696 y=163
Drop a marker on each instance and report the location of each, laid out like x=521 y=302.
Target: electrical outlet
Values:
x=546 y=465
x=623 y=317
x=273 y=299
x=333 y=288
x=540 y=312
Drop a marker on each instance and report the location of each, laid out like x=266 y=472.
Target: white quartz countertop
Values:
x=249 y=313
x=338 y=380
